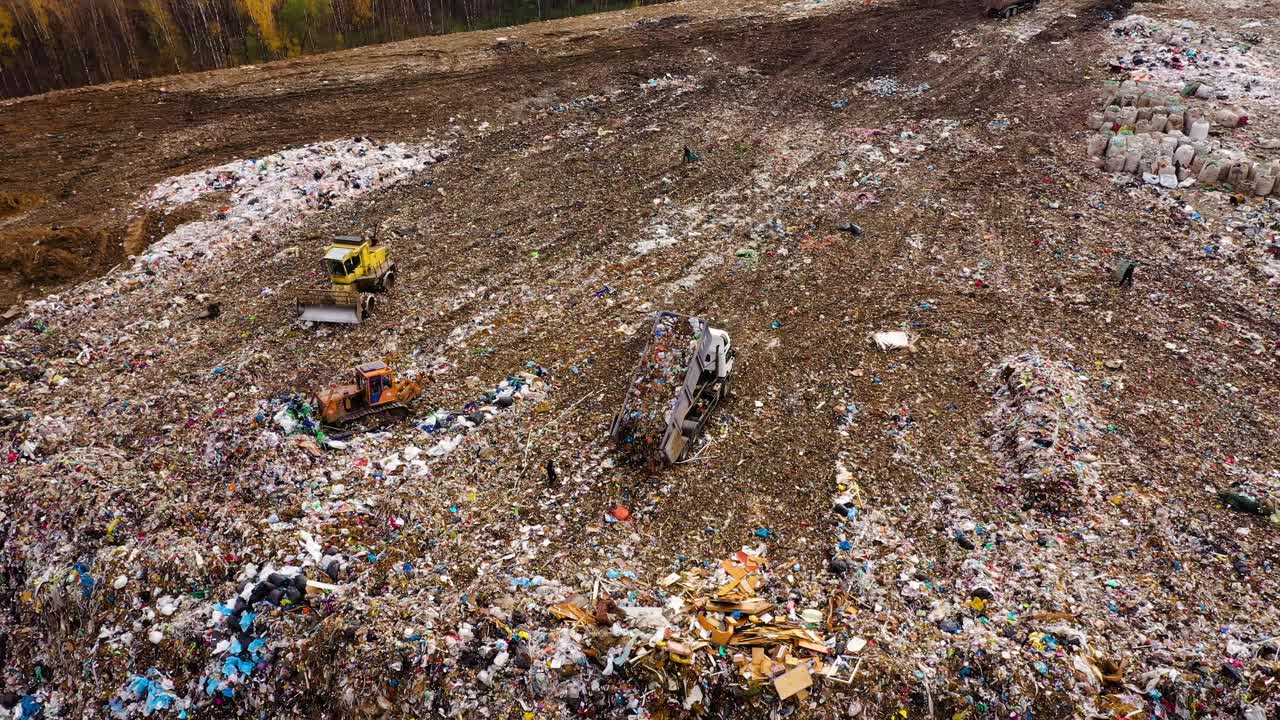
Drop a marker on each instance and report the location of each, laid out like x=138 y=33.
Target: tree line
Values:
x=49 y=44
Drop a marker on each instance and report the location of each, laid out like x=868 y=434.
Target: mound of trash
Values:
x=278 y=190
x=261 y=198
x=1042 y=430
x=1171 y=51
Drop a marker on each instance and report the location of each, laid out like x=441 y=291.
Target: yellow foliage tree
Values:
x=8 y=42
x=362 y=11
x=157 y=11
x=40 y=11
x=263 y=14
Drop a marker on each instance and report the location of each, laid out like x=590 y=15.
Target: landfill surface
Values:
x=1003 y=436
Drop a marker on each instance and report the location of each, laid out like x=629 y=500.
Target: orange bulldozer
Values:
x=376 y=398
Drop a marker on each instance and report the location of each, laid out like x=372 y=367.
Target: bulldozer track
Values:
x=380 y=417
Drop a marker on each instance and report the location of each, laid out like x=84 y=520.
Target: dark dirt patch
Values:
x=1101 y=13
x=37 y=259
x=12 y=203
x=51 y=255
x=665 y=22
x=152 y=225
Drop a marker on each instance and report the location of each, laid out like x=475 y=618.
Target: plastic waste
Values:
x=893 y=340
x=1241 y=502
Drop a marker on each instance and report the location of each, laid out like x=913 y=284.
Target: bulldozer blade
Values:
x=333 y=306
x=345 y=314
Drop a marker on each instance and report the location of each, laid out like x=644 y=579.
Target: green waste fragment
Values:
x=1241 y=502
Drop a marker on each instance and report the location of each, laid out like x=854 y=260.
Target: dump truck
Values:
x=356 y=270
x=1008 y=8
x=684 y=373
x=374 y=398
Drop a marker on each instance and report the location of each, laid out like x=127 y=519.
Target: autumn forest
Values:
x=50 y=44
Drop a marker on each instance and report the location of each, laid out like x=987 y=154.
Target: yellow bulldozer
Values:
x=376 y=396
x=356 y=269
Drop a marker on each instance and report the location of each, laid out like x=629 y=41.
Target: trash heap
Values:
x=1042 y=431
x=1253 y=492
x=257 y=202
x=698 y=635
x=531 y=386
x=677 y=84
x=296 y=418
x=175 y=546
x=292 y=414
x=1165 y=139
x=1171 y=52
x=268 y=193
x=1259 y=226
x=886 y=86
x=528 y=385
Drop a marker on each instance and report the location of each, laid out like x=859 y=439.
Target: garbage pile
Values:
x=1170 y=53
x=886 y=86
x=270 y=193
x=530 y=386
x=1042 y=430
x=1259 y=229
x=704 y=634
x=182 y=538
x=292 y=414
x=258 y=202
x=1251 y=491
x=677 y=84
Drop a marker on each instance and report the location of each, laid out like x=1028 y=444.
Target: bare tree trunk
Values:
x=130 y=58
x=208 y=38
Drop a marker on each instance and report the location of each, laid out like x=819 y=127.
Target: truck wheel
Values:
x=387 y=281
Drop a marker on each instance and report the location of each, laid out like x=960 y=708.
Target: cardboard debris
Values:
x=793 y=681
x=695 y=628
x=321 y=588
x=569 y=611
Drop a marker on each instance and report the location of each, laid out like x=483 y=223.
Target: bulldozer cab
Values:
x=374 y=380
x=342 y=261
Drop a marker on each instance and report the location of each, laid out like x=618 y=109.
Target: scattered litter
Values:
x=892 y=340
x=885 y=86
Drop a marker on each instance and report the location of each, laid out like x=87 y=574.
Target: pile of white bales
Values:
x=1166 y=140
